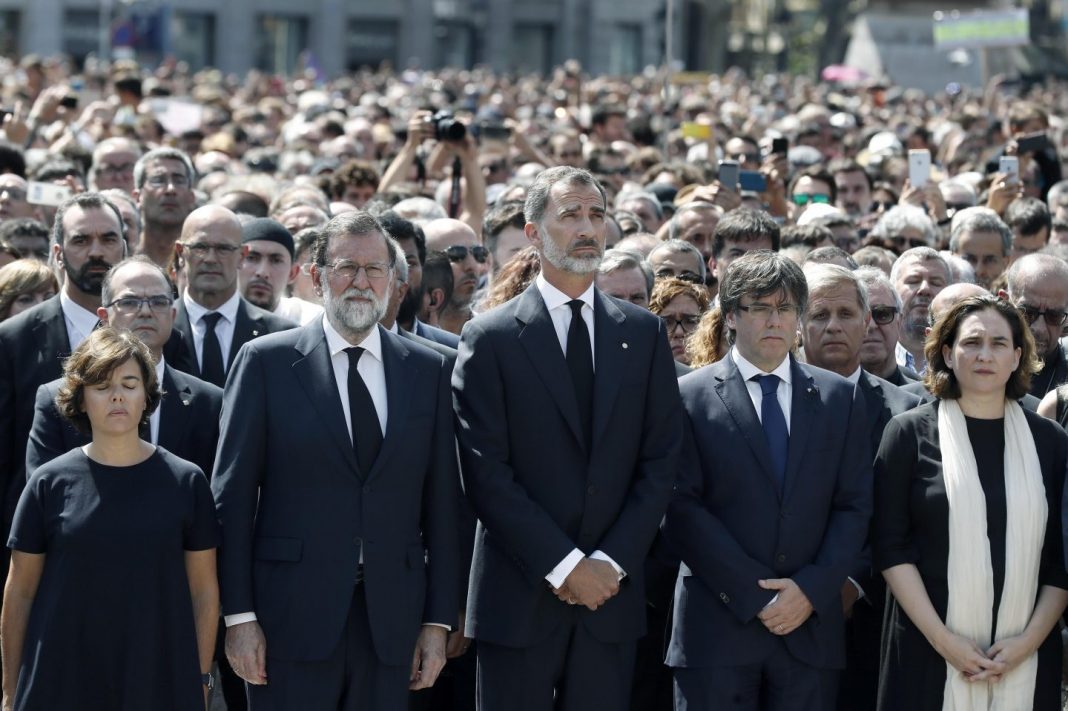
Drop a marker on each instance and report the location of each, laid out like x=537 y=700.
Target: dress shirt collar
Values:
x=748 y=370
x=337 y=343
x=554 y=298
x=394 y=328
x=83 y=320
x=159 y=371
x=196 y=311
x=855 y=377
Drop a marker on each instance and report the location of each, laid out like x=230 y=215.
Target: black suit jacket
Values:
x=537 y=490
x=251 y=322
x=439 y=335
x=1028 y=402
x=732 y=526
x=189 y=422
x=296 y=509
x=883 y=400
x=32 y=348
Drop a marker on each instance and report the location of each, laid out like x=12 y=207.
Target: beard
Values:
x=409 y=308
x=558 y=256
x=87 y=281
x=353 y=317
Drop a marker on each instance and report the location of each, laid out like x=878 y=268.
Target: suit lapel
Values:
x=246 y=327
x=174 y=410
x=803 y=412
x=399 y=379
x=316 y=376
x=538 y=338
x=185 y=349
x=735 y=396
x=610 y=357
x=874 y=407
x=50 y=333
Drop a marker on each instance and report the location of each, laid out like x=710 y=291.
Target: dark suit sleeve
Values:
x=441 y=500
x=46 y=433
x=705 y=545
x=850 y=517
x=895 y=467
x=239 y=462
x=628 y=540
x=10 y=465
x=524 y=528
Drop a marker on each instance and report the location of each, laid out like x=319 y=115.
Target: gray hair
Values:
x=820 y=276
x=920 y=254
x=961 y=271
x=759 y=273
x=979 y=219
x=897 y=219
x=105 y=287
x=538 y=192
x=645 y=195
x=1055 y=193
x=681 y=247
x=419 y=209
x=158 y=154
x=618 y=259
x=872 y=277
x=694 y=206
x=1043 y=266
x=355 y=222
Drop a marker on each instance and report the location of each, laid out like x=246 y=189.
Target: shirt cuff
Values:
x=772 y=601
x=239 y=619
x=447 y=628
x=860 y=590
x=563 y=569
x=601 y=555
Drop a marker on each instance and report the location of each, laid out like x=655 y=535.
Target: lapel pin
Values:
x=625 y=346
x=255 y=333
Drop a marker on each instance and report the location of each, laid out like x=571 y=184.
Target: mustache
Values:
x=582 y=243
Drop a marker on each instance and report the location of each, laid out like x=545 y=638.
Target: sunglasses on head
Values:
x=805 y=198
x=883 y=315
x=458 y=253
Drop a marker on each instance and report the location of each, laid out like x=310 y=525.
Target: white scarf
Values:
x=970 y=576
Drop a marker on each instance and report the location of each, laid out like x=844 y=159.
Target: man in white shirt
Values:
x=268 y=268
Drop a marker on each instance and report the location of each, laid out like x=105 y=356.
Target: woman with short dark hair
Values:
x=967 y=526
x=111 y=599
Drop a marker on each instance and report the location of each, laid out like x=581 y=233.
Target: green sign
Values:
x=974 y=30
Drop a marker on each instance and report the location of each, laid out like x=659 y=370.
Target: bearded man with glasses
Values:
x=1038 y=285
x=470 y=264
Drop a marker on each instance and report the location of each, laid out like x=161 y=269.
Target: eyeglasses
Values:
x=684 y=276
x=745 y=157
x=805 y=198
x=14 y=193
x=1053 y=317
x=458 y=253
x=345 y=271
x=201 y=249
x=687 y=322
x=910 y=241
x=883 y=315
x=162 y=181
x=765 y=310
x=133 y=304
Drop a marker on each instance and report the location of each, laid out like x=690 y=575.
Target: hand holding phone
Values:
x=1010 y=165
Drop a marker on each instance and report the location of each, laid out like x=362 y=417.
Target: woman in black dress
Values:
x=967 y=527
x=111 y=600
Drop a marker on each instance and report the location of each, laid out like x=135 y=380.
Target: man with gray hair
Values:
x=980 y=238
x=163 y=187
x=878 y=351
x=1037 y=284
x=570 y=428
x=645 y=206
x=341 y=579
x=113 y=163
x=678 y=259
x=625 y=275
x=918 y=275
x=695 y=222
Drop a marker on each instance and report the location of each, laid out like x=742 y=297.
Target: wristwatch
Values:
x=208 y=680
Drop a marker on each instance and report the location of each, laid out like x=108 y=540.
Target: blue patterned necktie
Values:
x=773 y=421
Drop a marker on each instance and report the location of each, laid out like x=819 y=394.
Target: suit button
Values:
x=591 y=490
x=725 y=597
x=358 y=541
x=781 y=558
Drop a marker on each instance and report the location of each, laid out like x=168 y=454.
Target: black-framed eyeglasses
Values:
x=684 y=276
x=688 y=322
x=765 y=310
x=133 y=304
x=458 y=253
x=162 y=181
x=1053 y=317
x=201 y=249
x=883 y=315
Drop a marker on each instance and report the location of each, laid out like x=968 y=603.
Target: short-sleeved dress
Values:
x=911 y=525
x=112 y=622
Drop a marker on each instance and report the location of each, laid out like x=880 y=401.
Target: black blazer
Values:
x=1028 y=402
x=189 y=422
x=440 y=335
x=883 y=400
x=251 y=322
x=33 y=345
x=732 y=526
x=296 y=510
x=536 y=489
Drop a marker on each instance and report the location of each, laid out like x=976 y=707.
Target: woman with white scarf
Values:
x=967 y=527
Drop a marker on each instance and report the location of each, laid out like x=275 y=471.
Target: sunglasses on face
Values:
x=1053 y=317
x=805 y=198
x=909 y=241
x=883 y=315
x=458 y=253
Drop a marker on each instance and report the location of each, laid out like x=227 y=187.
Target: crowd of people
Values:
x=452 y=390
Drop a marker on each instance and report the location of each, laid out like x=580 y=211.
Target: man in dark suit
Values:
x=336 y=489
x=878 y=351
x=836 y=321
x=569 y=429
x=214 y=320
x=771 y=510
x=137 y=297
x=87 y=240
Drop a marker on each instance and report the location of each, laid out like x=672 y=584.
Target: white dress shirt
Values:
x=784 y=393
x=224 y=329
x=80 y=322
x=298 y=310
x=153 y=419
x=556 y=302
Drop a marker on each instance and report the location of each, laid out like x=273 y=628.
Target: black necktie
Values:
x=366 y=429
x=211 y=358
x=580 y=363
x=773 y=420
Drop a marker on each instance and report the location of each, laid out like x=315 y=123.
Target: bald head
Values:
x=211 y=248
x=466 y=255
x=951 y=295
x=446 y=232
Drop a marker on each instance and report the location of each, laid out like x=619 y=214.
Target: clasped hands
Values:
x=975 y=664
x=592 y=583
x=788 y=610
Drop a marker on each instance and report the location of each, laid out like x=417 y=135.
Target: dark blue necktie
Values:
x=579 y=359
x=773 y=421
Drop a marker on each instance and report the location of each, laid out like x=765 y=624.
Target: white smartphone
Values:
x=48 y=194
x=1011 y=166
x=919 y=167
